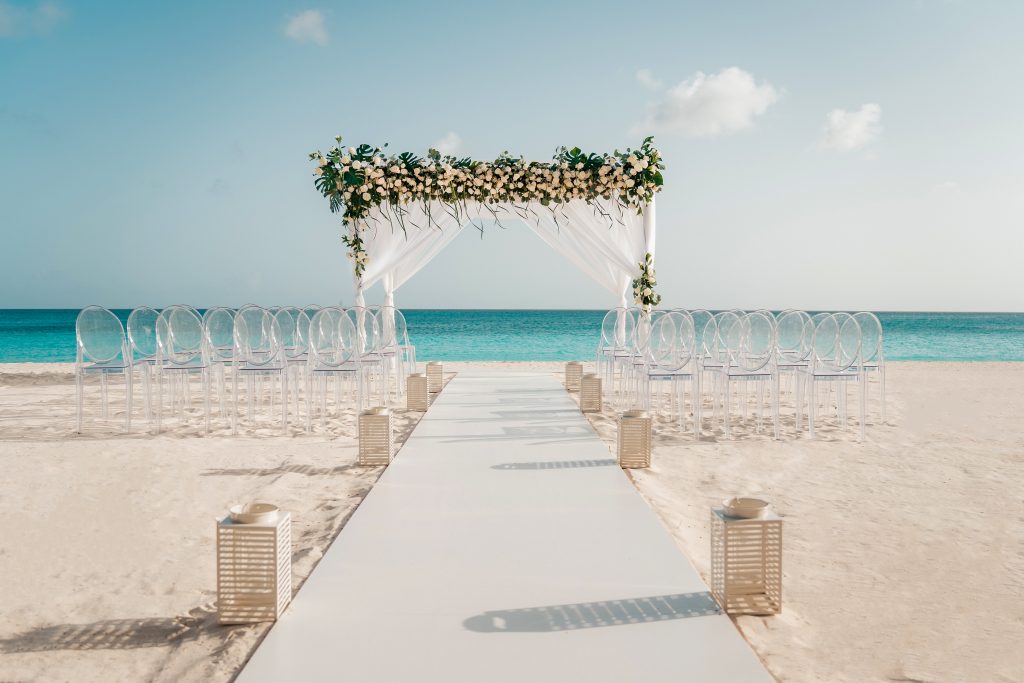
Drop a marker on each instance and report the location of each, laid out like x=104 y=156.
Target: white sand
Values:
x=107 y=560
x=903 y=555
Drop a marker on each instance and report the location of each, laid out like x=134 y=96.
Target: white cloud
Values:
x=43 y=17
x=648 y=80
x=449 y=144
x=709 y=105
x=307 y=26
x=948 y=187
x=849 y=130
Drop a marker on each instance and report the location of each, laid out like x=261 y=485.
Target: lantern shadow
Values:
x=582 y=615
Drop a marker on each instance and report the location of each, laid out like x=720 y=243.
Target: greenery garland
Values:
x=357 y=179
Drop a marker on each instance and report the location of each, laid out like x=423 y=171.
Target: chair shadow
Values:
x=594 y=614
x=114 y=634
x=554 y=464
x=307 y=470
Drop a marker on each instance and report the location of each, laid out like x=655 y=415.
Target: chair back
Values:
x=836 y=343
x=99 y=336
x=219 y=329
x=793 y=336
x=615 y=332
x=179 y=335
x=294 y=325
x=142 y=332
x=401 y=328
x=671 y=344
x=332 y=339
x=871 y=345
x=257 y=337
x=757 y=341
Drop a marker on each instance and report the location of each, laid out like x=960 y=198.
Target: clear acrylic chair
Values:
x=259 y=357
x=872 y=351
x=836 y=362
x=101 y=349
x=141 y=330
x=368 y=345
x=613 y=340
x=181 y=353
x=332 y=355
x=405 y=347
x=294 y=324
x=743 y=352
x=671 y=359
x=219 y=331
x=794 y=330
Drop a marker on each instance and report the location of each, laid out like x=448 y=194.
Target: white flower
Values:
x=322 y=162
x=346 y=160
x=319 y=170
x=356 y=165
x=647 y=291
x=366 y=196
x=351 y=150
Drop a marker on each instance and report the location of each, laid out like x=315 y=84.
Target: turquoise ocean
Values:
x=48 y=335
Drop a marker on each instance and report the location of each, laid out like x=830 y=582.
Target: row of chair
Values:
x=711 y=355
x=284 y=354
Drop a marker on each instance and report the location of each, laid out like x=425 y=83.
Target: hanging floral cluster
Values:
x=643 y=286
x=356 y=252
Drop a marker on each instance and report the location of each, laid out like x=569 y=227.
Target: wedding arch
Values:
x=400 y=210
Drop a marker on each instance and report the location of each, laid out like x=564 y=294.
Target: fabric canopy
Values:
x=602 y=238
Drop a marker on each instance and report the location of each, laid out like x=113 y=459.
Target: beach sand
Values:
x=107 y=553
x=904 y=555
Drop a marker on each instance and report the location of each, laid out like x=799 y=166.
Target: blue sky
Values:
x=861 y=156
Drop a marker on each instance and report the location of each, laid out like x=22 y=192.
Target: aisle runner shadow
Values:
x=554 y=465
x=595 y=614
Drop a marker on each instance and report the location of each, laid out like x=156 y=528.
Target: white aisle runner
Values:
x=504 y=544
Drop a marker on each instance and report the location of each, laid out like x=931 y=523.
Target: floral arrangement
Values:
x=357 y=179
x=643 y=286
x=356 y=253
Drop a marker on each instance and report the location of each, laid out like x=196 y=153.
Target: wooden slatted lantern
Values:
x=435 y=377
x=746 y=563
x=634 y=439
x=254 y=569
x=590 y=393
x=375 y=443
x=573 y=375
x=416 y=395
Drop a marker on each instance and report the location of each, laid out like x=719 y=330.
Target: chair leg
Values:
x=728 y=405
x=129 y=375
x=881 y=375
x=863 y=402
x=811 y=407
x=103 y=385
x=207 y=381
x=80 y=393
x=284 y=400
x=776 y=389
x=159 y=400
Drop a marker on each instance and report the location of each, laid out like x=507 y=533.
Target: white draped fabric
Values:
x=603 y=239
